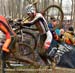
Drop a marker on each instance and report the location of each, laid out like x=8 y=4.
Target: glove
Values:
x=26 y=21
x=27 y=24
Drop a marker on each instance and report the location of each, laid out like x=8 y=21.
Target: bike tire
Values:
x=25 y=59
x=19 y=58
x=27 y=38
x=60 y=10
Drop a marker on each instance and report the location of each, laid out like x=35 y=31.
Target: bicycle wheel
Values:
x=27 y=38
x=18 y=58
x=25 y=50
x=20 y=55
x=54 y=10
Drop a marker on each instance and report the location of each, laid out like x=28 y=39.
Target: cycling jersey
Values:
x=41 y=23
x=5 y=28
x=42 y=27
x=9 y=34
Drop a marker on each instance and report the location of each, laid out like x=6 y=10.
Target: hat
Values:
x=71 y=29
x=53 y=18
x=57 y=31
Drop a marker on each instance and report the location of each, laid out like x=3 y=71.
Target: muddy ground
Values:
x=57 y=70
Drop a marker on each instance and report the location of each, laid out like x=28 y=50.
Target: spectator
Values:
x=69 y=36
x=53 y=24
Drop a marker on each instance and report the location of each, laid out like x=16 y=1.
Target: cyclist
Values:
x=39 y=21
x=52 y=25
x=9 y=34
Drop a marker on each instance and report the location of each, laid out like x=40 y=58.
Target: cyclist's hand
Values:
x=26 y=21
x=26 y=24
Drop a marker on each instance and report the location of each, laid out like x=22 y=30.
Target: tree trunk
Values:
x=74 y=13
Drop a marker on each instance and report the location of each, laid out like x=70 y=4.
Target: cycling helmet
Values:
x=30 y=9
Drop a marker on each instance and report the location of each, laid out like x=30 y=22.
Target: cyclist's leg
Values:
x=5 y=49
x=41 y=50
x=5 y=52
x=48 y=40
x=9 y=44
x=12 y=43
x=41 y=43
x=45 y=41
x=6 y=44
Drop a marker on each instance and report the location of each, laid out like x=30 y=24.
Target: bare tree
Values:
x=74 y=13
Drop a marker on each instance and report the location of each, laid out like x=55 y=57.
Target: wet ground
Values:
x=57 y=70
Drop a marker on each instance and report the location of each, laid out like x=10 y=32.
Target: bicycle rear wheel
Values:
x=54 y=10
x=27 y=38
x=21 y=57
x=25 y=50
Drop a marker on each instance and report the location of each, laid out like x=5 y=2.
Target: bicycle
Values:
x=23 y=29
x=20 y=47
x=44 y=13
x=20 y=56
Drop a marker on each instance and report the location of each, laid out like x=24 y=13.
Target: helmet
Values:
x=30 y=9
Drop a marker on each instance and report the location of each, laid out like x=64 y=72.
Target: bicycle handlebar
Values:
x=21 y=24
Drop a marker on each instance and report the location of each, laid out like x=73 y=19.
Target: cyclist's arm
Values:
x=32 y=22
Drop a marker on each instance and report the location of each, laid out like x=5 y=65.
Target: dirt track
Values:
x=58 y=70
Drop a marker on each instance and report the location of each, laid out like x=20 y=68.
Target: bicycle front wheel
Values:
x=27 y=38
x=20 y=55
